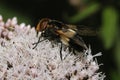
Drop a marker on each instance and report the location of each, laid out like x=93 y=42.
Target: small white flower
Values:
x=8 y=23
x=22 y=25
x=1 y=18
x=1 y=24
x=11 y=35
x=14 y=21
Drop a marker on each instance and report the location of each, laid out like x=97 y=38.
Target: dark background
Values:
x=34 y=10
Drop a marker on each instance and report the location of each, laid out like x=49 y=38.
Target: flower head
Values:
x=19 y=60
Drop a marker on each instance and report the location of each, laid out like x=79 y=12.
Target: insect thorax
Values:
x=51 y=35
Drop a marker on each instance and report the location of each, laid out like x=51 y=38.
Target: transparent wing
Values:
x=83 y=30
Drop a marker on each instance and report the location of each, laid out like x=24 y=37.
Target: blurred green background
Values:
x=101 y=14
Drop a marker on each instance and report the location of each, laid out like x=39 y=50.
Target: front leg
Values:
x=36 y=43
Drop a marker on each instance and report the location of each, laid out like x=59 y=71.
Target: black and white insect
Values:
x=68 y=35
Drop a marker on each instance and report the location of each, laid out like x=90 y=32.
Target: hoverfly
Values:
x=69 y=35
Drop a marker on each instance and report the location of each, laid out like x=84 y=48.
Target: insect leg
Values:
x=36 y=43
x=61 y=51
x=71 y=50
x=74 y=52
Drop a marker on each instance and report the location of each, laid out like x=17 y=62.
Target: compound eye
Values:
x=42 y=25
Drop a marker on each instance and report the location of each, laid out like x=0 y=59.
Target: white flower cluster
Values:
x=19 y=61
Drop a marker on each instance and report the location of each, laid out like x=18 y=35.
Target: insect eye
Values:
x=43 y=25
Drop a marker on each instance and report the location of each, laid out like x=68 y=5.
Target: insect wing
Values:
x=71 y=38
x=83 y=30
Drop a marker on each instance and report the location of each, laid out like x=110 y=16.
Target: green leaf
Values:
x=109 y=26
x=85 y=13
x=117 y=53
x=115 y=75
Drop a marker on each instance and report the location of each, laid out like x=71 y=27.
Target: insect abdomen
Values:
x=77 y=43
